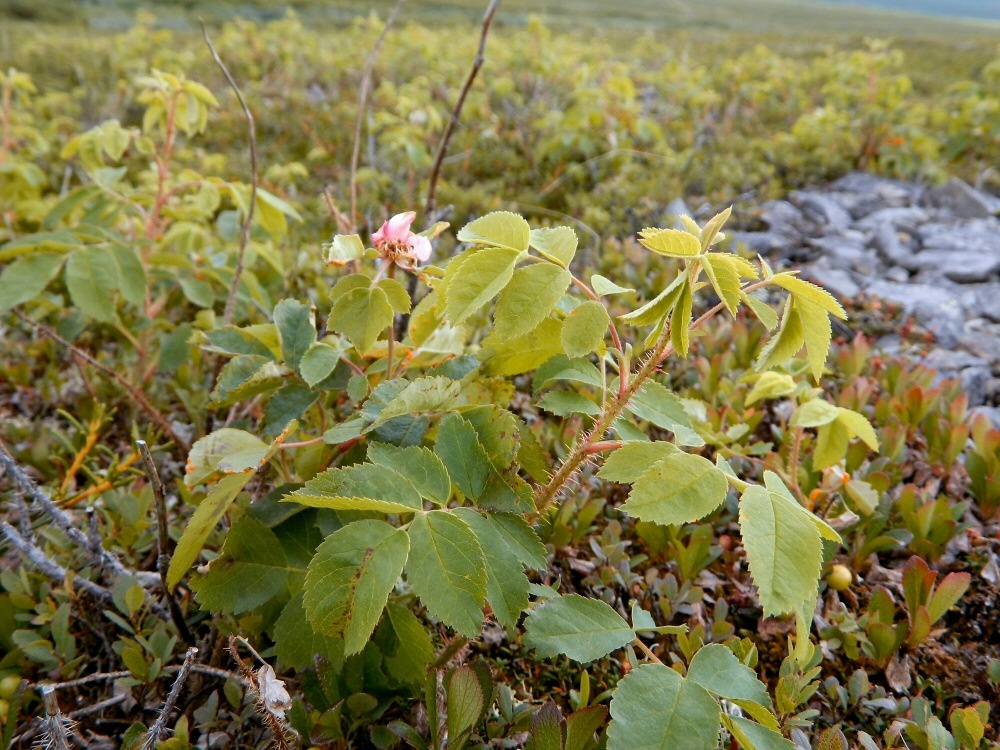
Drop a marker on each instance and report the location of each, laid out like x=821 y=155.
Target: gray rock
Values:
x=960 y=199
x=823 y=210
x=975 y=235
x=887 y=242
x=951 y=361
x=872 y=193
x=839 y=251
x=902 y=217
x=839 y=283
x=965 y=267
x=898 y=274
x=673 y=212
x=987 y=301
x=974 y=380
x=769 y=243
x=782 y=217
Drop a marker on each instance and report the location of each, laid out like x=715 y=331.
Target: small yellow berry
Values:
x=8 y=685
x=840 y=578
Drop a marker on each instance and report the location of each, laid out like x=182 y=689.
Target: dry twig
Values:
x=168 y=705
x=227 y=315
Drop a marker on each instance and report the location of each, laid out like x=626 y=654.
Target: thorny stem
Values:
x=391 y=339
x=616 y=405
x=168 y=705
x=227 y=316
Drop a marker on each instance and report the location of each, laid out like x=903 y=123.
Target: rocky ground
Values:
x=935 y=251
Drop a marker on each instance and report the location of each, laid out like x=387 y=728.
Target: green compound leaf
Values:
x=477 y=279
x=361 y=313
x=528 y=299
x=524 y=353
x=673 y=243
x=359 y=487
x=447 y=570
x=561 y=367
x=723 y=273
x=679 y=488
x=814 y=413
x=858 y=426
x=500 y=229
x=319 y=362
x=296 y=330
x=344 y=248
x=521 y=539
x=92 y=280
x=251 y=569
x=660 y=306
x=654 y=708
x=26 y=277
x=784 y=344
x=710 y=231
x=783 y=548
x=661 y=406
x=202 y=523
x=817 y=332
x=629 y=462
x=297 y=643
x=421 y=467
x=415 y=650
x=832 y=440
x=584 y=329
x=604 y=286
x=773 y=483
x=131 y=274
x=350 y=578
x=430 y=395
x=463 y=455
x=506 y=583
x=804 y=290
x=754 y=736
x=397 y=295
x=564 y=403
x=583 y=629
x=771 y=385
x=558 y=244
x=717 y=669
x=680 y=320
x=764 y=312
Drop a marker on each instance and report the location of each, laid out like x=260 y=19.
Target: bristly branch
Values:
x=168 y=705
x=136 y=393
x=163 y=540
x=227 y=315
x=477 y=63
x=366 y=79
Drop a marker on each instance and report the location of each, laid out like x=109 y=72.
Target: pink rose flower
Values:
x=396 y=238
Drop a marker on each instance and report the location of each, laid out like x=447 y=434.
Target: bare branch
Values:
x=136 y=393
x=366 y=79
x=163 y=540
x=168 y=705
x=227 y=315
x=477 y=63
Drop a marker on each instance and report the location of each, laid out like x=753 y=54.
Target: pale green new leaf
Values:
x=397 y=295
x=783 y=548
x=463 y=455
x=26 y=277
x=660 y=306
x=500 y=229
x=814 y=413
x=506 y=583
x=654 y=708
x=583 y=629
x=858 y=426
x=350 y=578
x=296 y=330
x=725 y=279
x=671 y=242
x=447 y=570
x=524 y=353
x=626 y=464
x=344 y=248
x=561 y=367
x=318 y=362
x=784 y=344
x=421 y=467
x=774 y=483
x=359 y=487
x=754 y=736
x=558 y=244
x=832 y=440
x=603 y=286
x=477 y=280
x=361 y=314
x=202 y=523
x=528 y=299
x=429 y=395
x=817 y=295
x=712 y=227
x=817 y=332
x=207 y=453
x=764 y=312
x=717 y=669
x=770 y=385
x=679 y=488
x=584 y=329
x=680 y=319
x=131 y=274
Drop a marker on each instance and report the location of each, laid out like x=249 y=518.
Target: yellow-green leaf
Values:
x=671 y=242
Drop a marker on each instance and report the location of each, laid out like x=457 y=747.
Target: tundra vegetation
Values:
x=402 y=413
